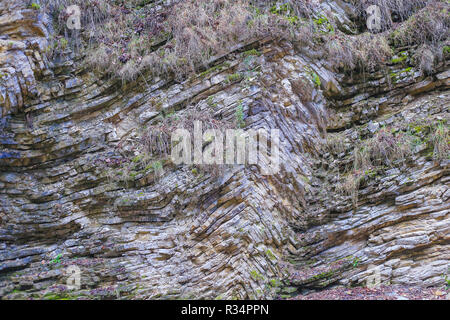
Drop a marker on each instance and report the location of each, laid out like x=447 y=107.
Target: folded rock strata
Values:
x=186 y=235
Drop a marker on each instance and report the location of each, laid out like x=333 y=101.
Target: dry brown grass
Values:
x=362 y=52
x=429 y=30
x=391 y=147
x=207 y=28
x=424 y=23
x=94 y=13
x=148 y=153
x=349 y=187
x=335 y=143
x=128 y=38
x=391 y=10
x=385 y=148
x=425 y=58
x=156 y=140
x=440 y=139
x=429 y=25
x=303 y=87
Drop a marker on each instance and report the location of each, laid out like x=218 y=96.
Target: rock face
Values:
x=238 y=234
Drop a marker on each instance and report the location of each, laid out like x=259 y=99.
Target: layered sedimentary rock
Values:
x=186 y=234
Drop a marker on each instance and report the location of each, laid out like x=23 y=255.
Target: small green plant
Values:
x=355 y=262
x=323 y=24
x=35 y=6
x=256 y=275
x=286 y=12
x=240 y=116
x=234 y=77
x=210 y=102
x=214 y=69
x=401 y=57
x=137 y=159
x=316 y=79
x=133 y=174
x=280 y=8
x=252 y=52
x=270 y=255
x=57 y=260
x=157 y=166
x=63 y=43
x=314 y=76
x=293 y=20
x=275 y=283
